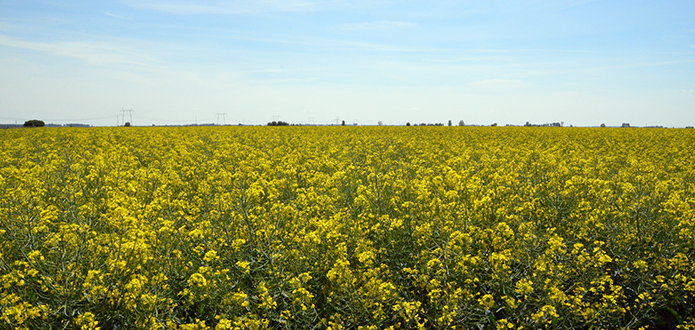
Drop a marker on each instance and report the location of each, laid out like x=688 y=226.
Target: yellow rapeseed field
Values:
x=347 y=228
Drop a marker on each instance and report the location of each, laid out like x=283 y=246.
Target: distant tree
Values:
x=278 y=123
x=407 y=124
x=449 y=122
x=127 y=124
x=34 y=123
x=380 y=123
x=603 y=125
x=343 y=123
x=461 y=123
x=494 y=125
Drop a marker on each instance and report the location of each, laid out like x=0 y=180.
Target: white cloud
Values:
x=497 y=83
x=291 y=80
x=272 y=71
x=98 y=53
x=120 y=17
x=378 y=25
x=224 y=7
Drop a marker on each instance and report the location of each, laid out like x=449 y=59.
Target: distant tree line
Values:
x=278 y=123
x=425 y=124
x=41 y=123
x=449 y=123
x=560 y=124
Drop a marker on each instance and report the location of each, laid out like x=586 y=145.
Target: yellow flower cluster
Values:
x=347 y=228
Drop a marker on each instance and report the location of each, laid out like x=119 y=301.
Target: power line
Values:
x=224 y=119
x=144 y=118
x=11 y=118
x=79 y=119
x=130 y=111
x=60 y=119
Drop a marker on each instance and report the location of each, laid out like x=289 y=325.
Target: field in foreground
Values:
x=347 y=227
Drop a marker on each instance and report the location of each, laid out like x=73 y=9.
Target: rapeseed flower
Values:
x=342 y=228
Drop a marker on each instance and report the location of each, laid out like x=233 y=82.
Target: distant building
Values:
x=625 y=125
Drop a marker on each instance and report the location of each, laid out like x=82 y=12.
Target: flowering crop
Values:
x=347 y=228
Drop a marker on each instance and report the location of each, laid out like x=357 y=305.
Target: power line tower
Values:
x=123 y=112
x=224 y=118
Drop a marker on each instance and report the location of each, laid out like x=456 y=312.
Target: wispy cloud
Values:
x=349 y=45
x=121 y=17
x=378 y=25
x=272 y=71
x=224 y=7
x=319 y=43
x=291 y=80
x=97 y=53
x=497 y=83
x=637 y=65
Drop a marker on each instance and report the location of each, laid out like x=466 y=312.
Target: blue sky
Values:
x=175 y=62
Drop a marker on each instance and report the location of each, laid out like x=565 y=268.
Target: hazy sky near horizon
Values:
x=178 y=61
